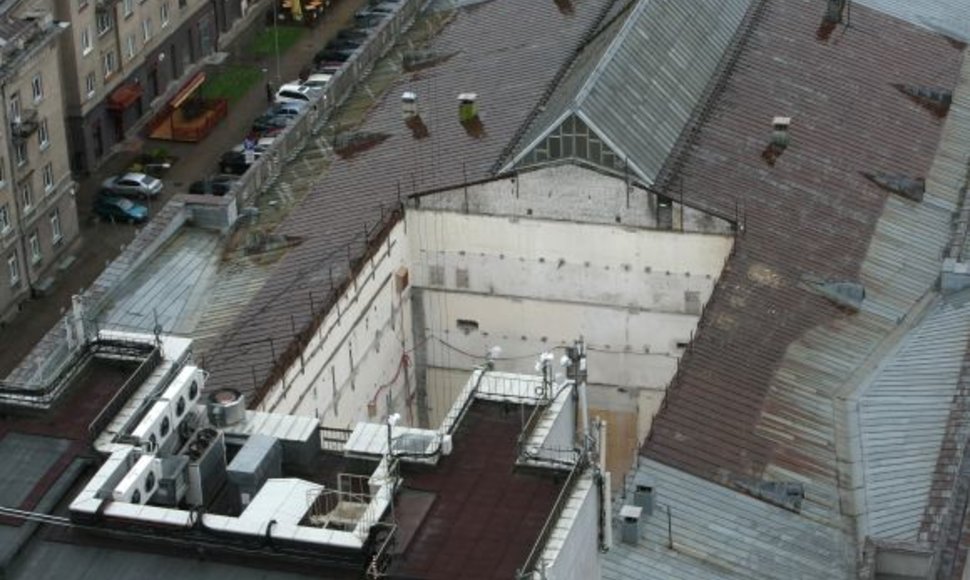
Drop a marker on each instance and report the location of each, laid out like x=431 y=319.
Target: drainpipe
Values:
x=12 y=179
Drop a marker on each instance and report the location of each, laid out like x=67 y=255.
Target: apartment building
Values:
x=38 y=216
x=120 y=57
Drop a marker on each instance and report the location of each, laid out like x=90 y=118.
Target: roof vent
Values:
x=565 y=6
x=630 y=524
x=468 y=115
x=834 y=9
x=409 y=104
x=226 y=407
x=934 y=99
x=779 y=140
x=643 y=493
x=909 y=187
x=847 y=295
x=784 y=494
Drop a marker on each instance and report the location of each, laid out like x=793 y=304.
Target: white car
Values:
x=133 y=184
x=317 y=81
x=294 y=92
x=258 y=146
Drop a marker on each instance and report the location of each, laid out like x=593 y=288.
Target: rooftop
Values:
x=508 y=53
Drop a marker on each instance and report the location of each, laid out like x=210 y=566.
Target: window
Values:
x=3 y=178
x=21 y=150
x=164 y=14
x=26 y=196
x=15 y=107
x=81 y=5
x=127 y=7
x=43 y=135
x=146 y=29
x=13 y=268
x=109 y=63
x=34 y=243
x=89 y=84
x=130 y=46
x=48 y=174
x=86 y=40
x=104 y=22
x=37 y=87
x=4 y=219
x=55 y=218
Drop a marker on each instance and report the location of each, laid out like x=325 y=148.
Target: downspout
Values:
x=11 y=155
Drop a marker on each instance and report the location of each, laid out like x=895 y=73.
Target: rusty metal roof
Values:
x=756 y=395
x=508 y=53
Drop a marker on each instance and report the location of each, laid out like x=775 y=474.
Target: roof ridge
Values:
x=611 y=49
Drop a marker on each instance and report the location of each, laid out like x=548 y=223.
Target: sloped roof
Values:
x=903 y=424
x=639 y=79
x=757 y=394
x=721 y=534
x=507 y=52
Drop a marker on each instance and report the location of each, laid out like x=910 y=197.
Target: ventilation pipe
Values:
x=409 y=104
x=644 y=495
x=630 y=524
x=467 y=107
x=834 y=9
x=779 y=133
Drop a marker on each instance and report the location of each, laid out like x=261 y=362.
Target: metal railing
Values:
x=532 y=561
x=333 y=439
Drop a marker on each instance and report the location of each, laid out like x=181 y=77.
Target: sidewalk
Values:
x=99 y=242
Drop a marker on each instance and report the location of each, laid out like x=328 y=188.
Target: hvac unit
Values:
x=173 y=482
x=185 y=390
x=261 y=458
x=155 y=428
x=226 y=407
x=206 y=452
x=140 y=482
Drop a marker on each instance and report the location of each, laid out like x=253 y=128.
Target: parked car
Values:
x=290 y=109
x=318 y=81
x=233 y=162
x=296 y=92
x=268 y=125
x=214 y=185
x=330 y=67
x=133 y=184
x=344 y=44
x=353 y=34
x=116 y=208
x=259 y=146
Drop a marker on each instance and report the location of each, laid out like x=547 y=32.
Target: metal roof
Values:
x=25 y=460
x=949 y=17
x=903 y=421
x=756 y=395
x=508 y=53
x=720 y=534
x=638 y=81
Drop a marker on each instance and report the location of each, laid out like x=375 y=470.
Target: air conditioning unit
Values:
x=156 y=427
x=206 y=451
x=185 y=390
x=140 y=482
x=173 y=482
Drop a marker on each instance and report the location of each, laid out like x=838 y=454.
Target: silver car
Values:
x=133 y=185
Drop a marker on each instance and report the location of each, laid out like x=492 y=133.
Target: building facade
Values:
x=120 y=58
x=38 y=215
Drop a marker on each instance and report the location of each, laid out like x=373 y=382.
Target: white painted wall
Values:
x=356 y=350
x=569 y=192
x=573 y=549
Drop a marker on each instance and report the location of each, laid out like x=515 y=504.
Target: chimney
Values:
x=833 y=10
x=409 y=104
x=630 y=524
x=467 y=107
x=779 y=133
x=644 y=495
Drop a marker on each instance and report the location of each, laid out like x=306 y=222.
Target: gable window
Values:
x=13 y=269
x=37 y=87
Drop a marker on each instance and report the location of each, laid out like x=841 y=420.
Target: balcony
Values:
x=24 y=126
